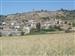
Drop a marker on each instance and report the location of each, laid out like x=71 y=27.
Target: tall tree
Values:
x=38 y=26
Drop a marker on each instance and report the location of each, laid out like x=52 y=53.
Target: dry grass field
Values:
x=62 y=44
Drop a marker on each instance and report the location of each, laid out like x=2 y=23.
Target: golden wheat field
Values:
x=62 y=44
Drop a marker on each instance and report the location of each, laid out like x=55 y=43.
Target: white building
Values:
x=31 y=24
x=26 y=30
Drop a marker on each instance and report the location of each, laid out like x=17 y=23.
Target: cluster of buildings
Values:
x=15 y=27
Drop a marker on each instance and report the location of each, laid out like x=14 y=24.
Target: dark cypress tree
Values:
x=0 y=34
x=38 y=26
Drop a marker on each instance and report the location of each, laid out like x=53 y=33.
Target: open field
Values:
x=62 y=44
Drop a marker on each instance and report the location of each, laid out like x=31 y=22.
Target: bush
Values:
x=10 y=34
x=67 y=31
x=50 y=29
x=0 y=34
x=73 y=24
x=22 y=33
x=45 y=18
x=33 y=30
x=58 y=28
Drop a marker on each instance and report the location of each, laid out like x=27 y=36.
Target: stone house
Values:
x=31 y=24
x=9 y=28
x=26 y=30
x=49 y=23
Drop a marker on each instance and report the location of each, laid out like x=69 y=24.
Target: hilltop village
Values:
x=26 y=23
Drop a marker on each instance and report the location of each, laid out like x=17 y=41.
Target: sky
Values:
x=19 y=6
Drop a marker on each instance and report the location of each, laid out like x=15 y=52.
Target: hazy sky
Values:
x=16 y=6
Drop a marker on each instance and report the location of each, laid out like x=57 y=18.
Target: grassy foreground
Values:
x=62 y=44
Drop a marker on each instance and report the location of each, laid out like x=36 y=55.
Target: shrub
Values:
x=73 y=24
x=10 y=34
x=65 y=22
x=67 y=31
x=0 y=34
x=22 y=33
x=50 y=29
x=33 y=30
x=58 y=28
x=45 y=18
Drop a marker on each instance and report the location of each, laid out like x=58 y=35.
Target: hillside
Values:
x=2 y=18
x=37 y=15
